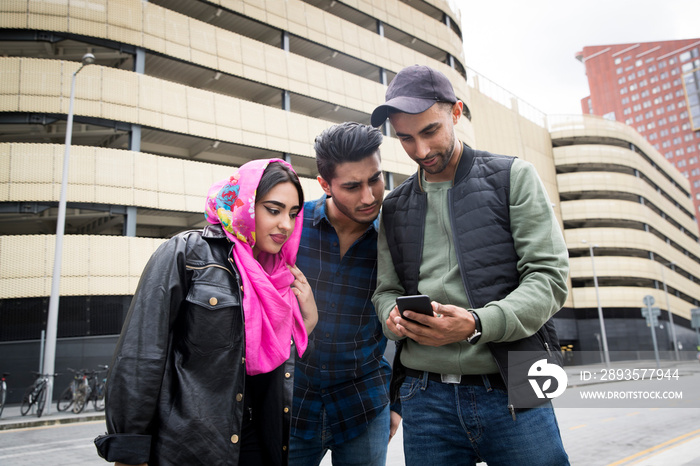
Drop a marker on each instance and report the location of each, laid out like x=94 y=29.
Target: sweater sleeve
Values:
x=543 y=263
x=388 y=283
x=136 y=374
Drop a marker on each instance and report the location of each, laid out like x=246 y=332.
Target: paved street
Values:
x=637 y=435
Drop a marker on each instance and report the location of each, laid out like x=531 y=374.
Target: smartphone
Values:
x=416 y=303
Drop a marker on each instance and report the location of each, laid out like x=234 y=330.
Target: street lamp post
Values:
x=52 y=320
x=603 y=336
x=670 y=314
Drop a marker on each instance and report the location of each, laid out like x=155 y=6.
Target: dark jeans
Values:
x=448 y=424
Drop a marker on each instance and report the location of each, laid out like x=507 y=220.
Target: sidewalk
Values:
x=13 y=419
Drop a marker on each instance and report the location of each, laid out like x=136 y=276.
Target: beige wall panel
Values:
x=174 y=99
x=228 y=45
x=199 y=105
x=92 y=10
x=117 y=112
x=153 y=42
x=126 y=14
x=30 y=163
x=170 y=175
x=114 y=168
x=88 y=84
x=204 y=59
x=177 y=28
x=124 y=35
x=254 y=10
x=168 y=201
x=10 y=78
x=203 y=37
x=145 y=198
x=150 y=93
x=32 y=192
x=17 y=262
x=87 y=27
x=254 y=139
x=81 y=168
x=9 y=103
x=59 y=8
x=198 y=128
x=47 y=22
x=153 y=20
x=176 y=124
x=108 y=195
x=16 y=6
x=76 y=259
x=139 y=250
x=252 y=117
x=199 y=178
x=41 y=77
x=145 y=172
x=229 y=134
x=111 y=285
x=6 y=151
x=24 y=287
x=227 y=112
x=12 y=20
x=120 y=87
x=149 y=118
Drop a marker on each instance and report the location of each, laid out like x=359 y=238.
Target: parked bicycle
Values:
x=65 y=401
x=36 y=394
x=3 y=391
x=97 y=388
x=85 y=387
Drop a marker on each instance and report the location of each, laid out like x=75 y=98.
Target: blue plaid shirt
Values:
x=345 y=372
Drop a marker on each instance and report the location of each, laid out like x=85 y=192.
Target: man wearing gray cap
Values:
x=475 y=232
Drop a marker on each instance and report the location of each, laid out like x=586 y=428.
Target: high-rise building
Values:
x=654 y=87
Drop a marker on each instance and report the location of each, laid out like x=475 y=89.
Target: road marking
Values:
x=56 y=442
x=51 y=426
x=577 y=427
x=674 y=442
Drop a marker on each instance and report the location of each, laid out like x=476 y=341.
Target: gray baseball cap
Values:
x=414 y=90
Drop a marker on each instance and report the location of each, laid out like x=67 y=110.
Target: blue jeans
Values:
x=368 y=449
x=447 y=424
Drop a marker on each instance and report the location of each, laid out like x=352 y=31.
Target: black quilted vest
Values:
x=479 y=213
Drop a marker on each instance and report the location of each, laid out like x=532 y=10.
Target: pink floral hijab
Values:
x=271 y=310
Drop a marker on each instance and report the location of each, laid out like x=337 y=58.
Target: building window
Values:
x=618 y=60
x=662 y=121
x=619 y=71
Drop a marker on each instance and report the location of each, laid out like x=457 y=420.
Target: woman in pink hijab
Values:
x=202 y=372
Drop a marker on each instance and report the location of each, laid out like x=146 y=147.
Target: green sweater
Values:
x=543 y=267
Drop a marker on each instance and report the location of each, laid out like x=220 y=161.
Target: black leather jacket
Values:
x=176 y=384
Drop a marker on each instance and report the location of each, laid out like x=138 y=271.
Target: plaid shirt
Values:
x=345 y=371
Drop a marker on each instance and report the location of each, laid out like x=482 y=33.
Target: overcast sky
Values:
x=528 y=47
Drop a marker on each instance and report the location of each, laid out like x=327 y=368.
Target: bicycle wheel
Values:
x=80 y=400
x=99 y=397
x=3 y=395
x=41 y=400
x=27 y=401
x=65 y=400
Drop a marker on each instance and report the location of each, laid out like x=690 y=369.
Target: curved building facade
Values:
x=181 y=92
x=629 y=224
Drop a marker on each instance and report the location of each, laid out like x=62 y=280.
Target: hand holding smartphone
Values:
x=416 y=303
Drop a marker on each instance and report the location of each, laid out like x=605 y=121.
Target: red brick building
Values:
x=654 y=87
